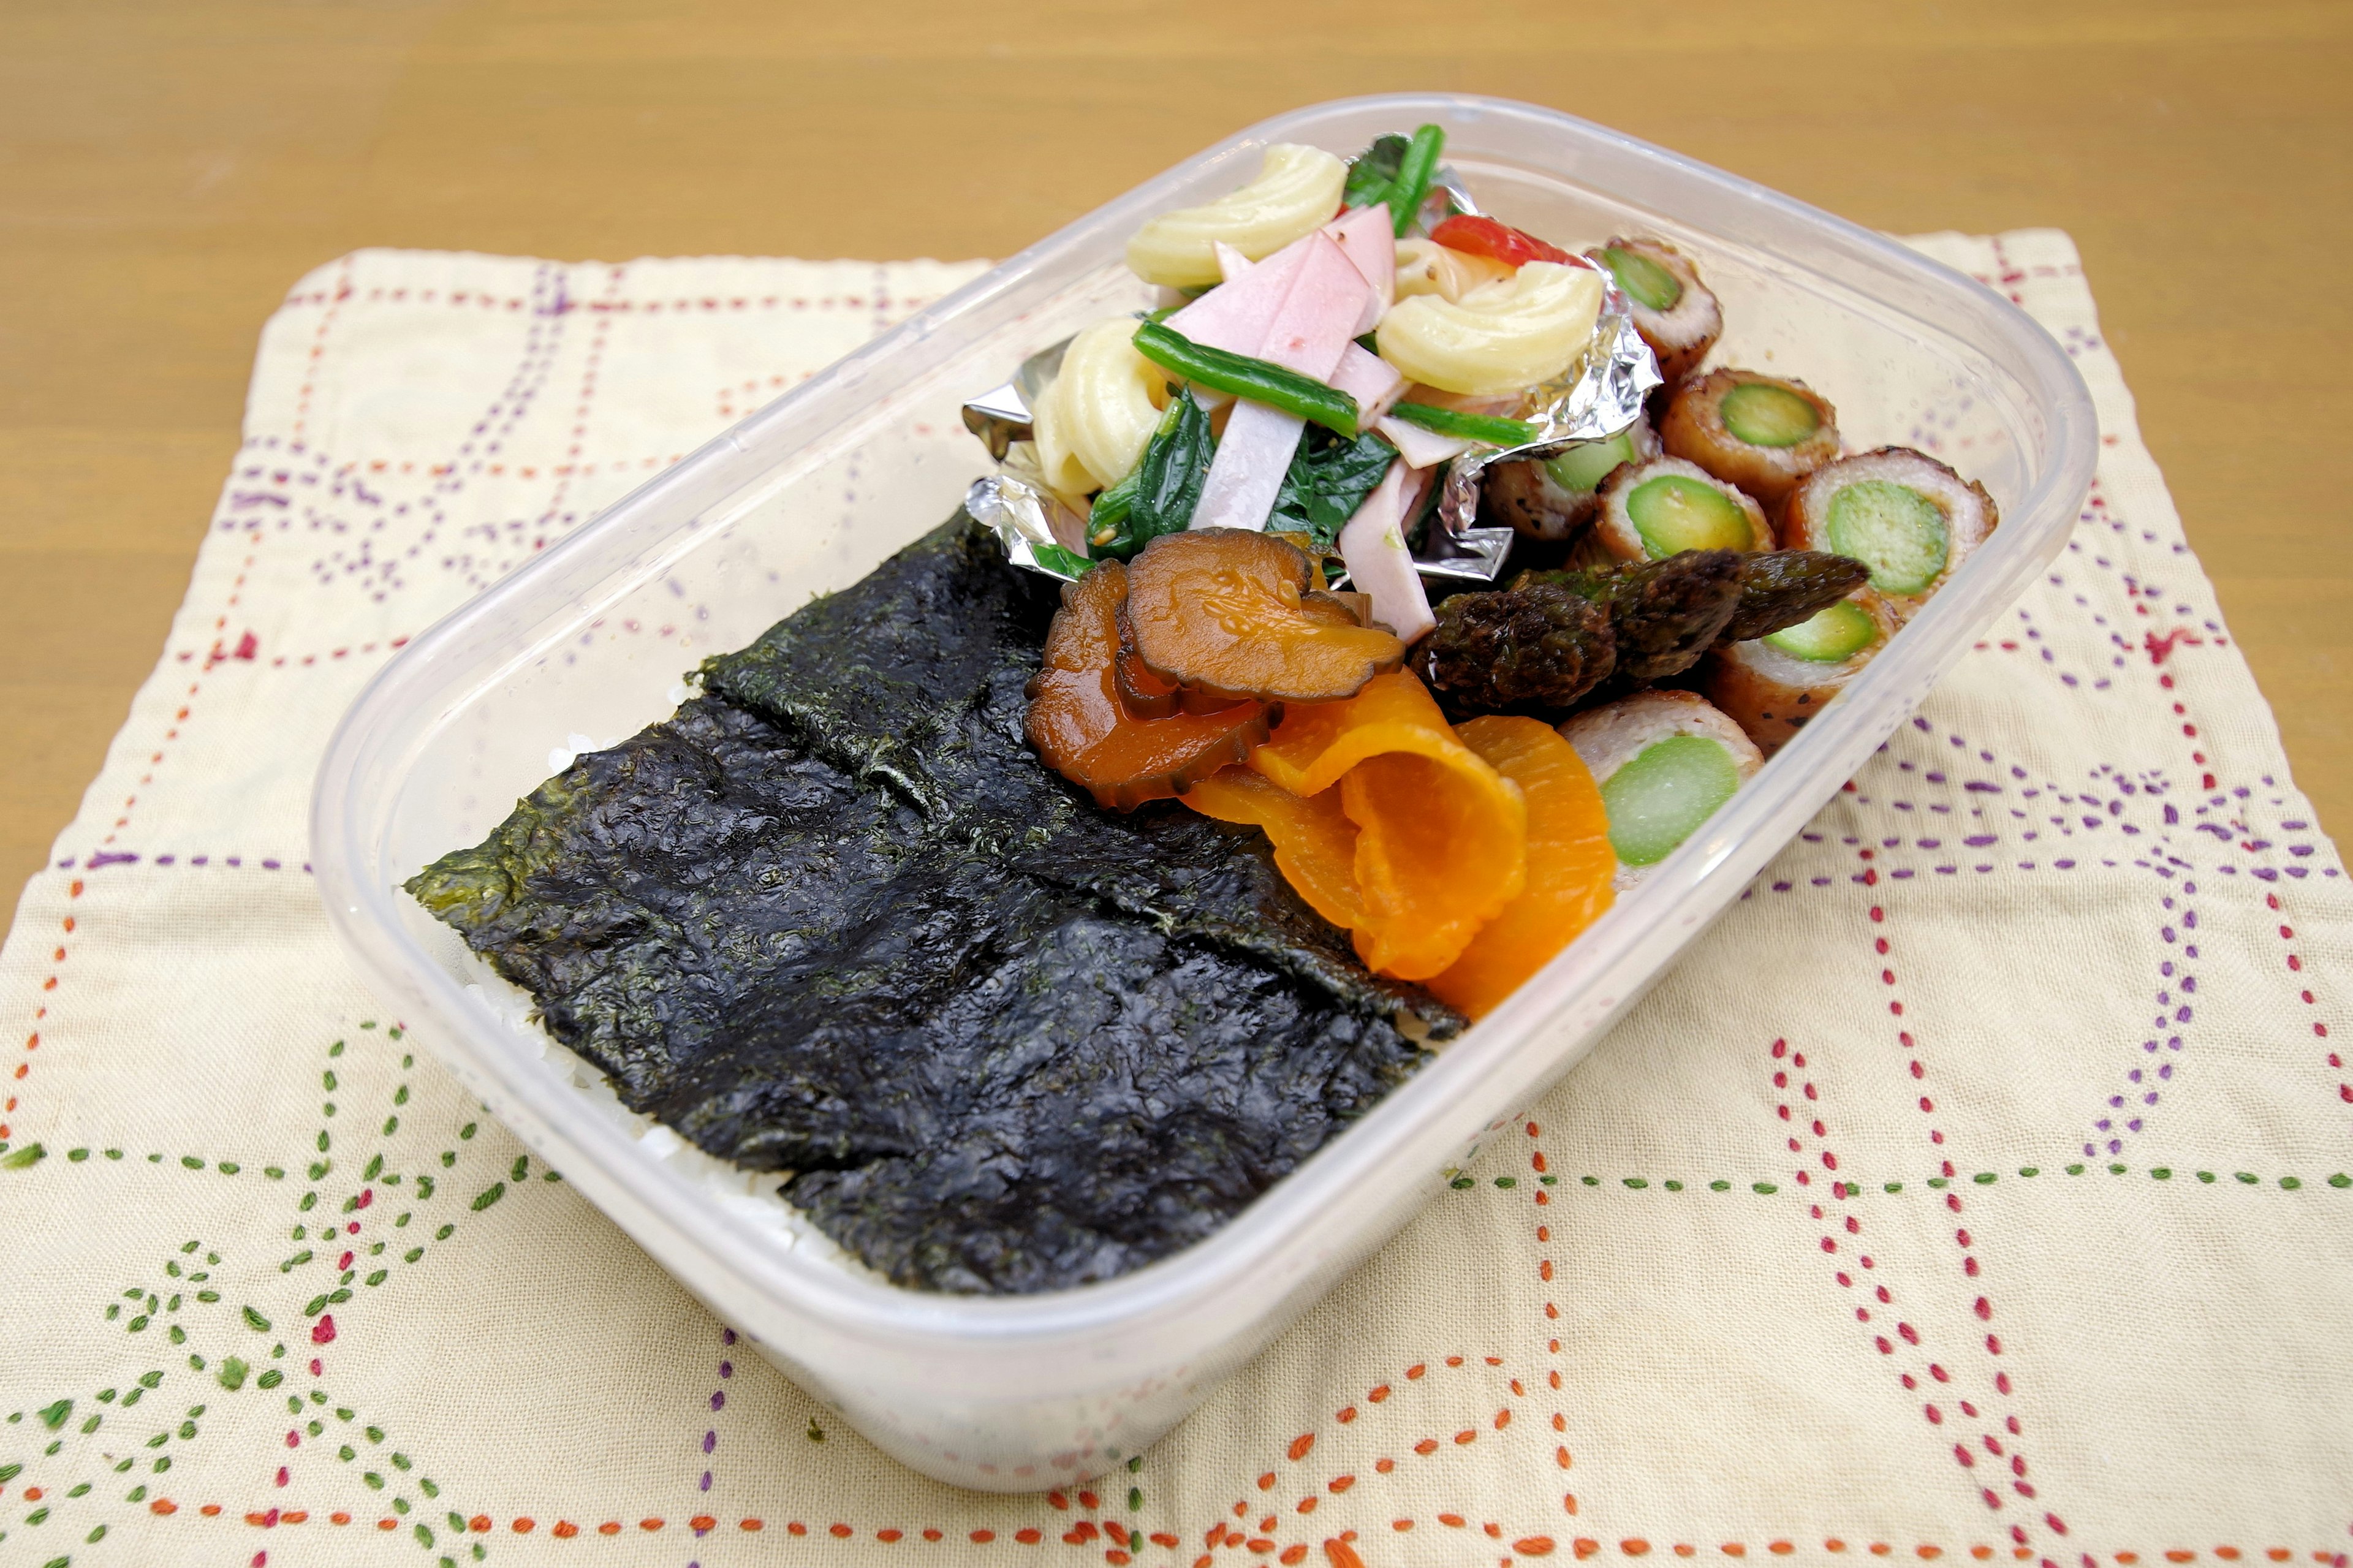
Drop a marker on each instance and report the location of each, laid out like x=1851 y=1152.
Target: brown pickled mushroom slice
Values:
x=1143 y=694
x=1909 y=518
x=1339 y=608
x=1147 y=695
x=1221 y=611
x=1759 y=432
x=1662 y=507
x=1674 y=310
x=1772 y=685
x=1082 y=729
x=1555 y=498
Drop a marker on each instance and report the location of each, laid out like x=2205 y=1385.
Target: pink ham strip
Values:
x=1372 y=543
x=1254 y=454
x=1231 y=263
x=1308 y=333
x=1314 y=324
x=1237 y=316
x=1370 y=242
x=1371 y=380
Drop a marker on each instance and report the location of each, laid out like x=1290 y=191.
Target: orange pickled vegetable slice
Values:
x=1219 y=611
x=1080 y=727
x=1440 y=852
x=1314 y=842
x=1317 y=743
x=1441 y=835
x=1570 y=864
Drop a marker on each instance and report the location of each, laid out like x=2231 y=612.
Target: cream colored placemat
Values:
x=1977 y=1188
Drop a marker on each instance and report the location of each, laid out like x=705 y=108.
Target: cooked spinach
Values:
x=1374 y=170
x=1158 y=497
x=1328 y=480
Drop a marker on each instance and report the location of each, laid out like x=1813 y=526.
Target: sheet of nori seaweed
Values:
x=834 y=919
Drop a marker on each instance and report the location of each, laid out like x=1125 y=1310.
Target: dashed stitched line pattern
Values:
x=23 y=1069
x=2304 y=993
x=1994 y=1448
x=99 y=859
x=705 y=1522
x=599 y=333
x=1883 y=1317
x=1580 y=1548
x=1859 y=1187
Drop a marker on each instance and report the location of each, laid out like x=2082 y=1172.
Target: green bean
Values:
x=1488 y=428
x=1414 y=174
x=1109 y=515
x=1259 y=380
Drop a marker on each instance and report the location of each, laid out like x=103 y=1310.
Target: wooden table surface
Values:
x=166 y=170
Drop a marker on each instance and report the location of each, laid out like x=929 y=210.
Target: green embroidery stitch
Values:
x=1849 y=1189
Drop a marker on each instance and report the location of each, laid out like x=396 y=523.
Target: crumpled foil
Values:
x=1036 y=528
x=1593 y=400
x=1001 y=415
x=1446 y=185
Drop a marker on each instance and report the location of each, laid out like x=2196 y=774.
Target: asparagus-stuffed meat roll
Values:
x=1665 y=761
x=1781 y=587
x=1673 y=309
x=1771 y=684
x=1759 y=432
x=1652 y=509
x=1555 y=498
x=1905 y=516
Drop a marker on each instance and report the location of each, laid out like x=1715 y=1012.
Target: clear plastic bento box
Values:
x=1024 y=1393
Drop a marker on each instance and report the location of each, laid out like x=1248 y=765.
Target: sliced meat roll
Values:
x=1759 y=432
x=1674 y=310
x=1664 y=506
x=1665 y=761
x=1772 y=685
x=1555 y=498
x=1907 y=517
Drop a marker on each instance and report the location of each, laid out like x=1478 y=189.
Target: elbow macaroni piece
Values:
x=1426 y=267
x=1297 y=190
x=1091 y=423
x=1049 y=433
x=1504 y=337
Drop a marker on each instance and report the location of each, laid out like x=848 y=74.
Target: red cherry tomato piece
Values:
x=1497 y=241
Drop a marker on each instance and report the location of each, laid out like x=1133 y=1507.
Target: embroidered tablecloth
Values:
x=1977 y=1188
